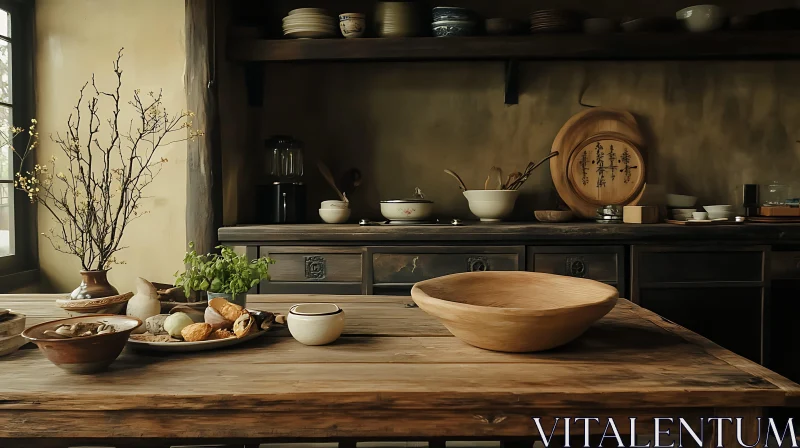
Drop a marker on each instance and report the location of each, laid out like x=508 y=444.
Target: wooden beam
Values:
x=204 y=157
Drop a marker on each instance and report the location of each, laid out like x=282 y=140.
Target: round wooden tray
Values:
x=577 y=130
x=606 y=169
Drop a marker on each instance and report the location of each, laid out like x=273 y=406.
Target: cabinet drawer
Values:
x=599 y=264
x=410 y=267
x=317 y=265
x=677 y=265
x=785 y=265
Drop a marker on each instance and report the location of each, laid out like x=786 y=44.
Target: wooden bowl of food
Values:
x=85 y=344
x=515 y=311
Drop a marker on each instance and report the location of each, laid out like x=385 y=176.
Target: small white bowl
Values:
x=491 y=205
x=702 y=18
x=334 y=215
x=316 y=323
x=334 y=204
x=680 y=201
x=700 y=216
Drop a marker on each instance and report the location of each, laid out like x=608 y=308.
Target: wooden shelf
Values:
x=622 y=46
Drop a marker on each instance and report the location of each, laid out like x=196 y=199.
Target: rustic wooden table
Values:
x=397 y=374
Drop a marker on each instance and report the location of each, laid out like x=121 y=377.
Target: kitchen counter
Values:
x=396 y=374
x=511 y=233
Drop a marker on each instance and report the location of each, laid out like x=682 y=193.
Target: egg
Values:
x=175 y=323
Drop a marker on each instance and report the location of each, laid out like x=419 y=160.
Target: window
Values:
x=17 y=219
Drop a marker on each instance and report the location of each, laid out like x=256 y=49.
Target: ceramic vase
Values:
x=239 y=299
x=94 y=285
x=144 y=304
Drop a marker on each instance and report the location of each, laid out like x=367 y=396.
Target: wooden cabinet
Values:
x=602 y=263
x=393 y=270
x=313 y=270
x=718 y=292
x=784 y=311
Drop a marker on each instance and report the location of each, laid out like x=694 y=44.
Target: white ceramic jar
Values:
x=316 y=323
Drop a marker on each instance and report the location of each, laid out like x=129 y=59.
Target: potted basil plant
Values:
x=227 y=274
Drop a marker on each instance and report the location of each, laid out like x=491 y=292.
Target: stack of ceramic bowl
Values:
x=555 y=21
x=719 y=211
x=453 y=22
x=682 y=214
x=334 y=212
x=610 y=214
x=11 y=326
x=681 y=206
x=309 y=23
x=396 y=19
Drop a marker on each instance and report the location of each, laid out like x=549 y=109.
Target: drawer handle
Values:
x=576 y=267
x=315 y=267
x=478 y=264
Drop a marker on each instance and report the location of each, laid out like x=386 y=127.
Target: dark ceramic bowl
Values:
x=84 y=354
x=447 y=13
x=454 y=28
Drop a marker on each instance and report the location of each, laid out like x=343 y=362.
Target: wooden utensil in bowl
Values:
x=515 y=311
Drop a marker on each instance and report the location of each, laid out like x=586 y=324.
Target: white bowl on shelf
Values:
x=335 y=204
x=334 y=215
x=718 y=208
x=491 y=205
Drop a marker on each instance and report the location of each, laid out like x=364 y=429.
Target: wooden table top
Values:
x=392 y=360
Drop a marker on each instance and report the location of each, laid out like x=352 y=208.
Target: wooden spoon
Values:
x=456 y=176
x=326 y=173
x=495 y=179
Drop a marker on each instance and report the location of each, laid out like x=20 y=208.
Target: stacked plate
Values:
x=309 y=23
x=555 y=21
x=397 y=19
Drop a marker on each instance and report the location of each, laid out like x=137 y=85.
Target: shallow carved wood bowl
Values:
x=100 y=305
x=515 y=311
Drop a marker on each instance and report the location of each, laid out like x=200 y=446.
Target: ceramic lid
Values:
x=418 y=198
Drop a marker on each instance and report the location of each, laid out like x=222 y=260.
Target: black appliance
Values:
x=282 y=196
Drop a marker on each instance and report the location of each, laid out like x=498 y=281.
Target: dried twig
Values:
x=98 y=192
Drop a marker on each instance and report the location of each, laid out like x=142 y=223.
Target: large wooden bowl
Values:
x=514 y=311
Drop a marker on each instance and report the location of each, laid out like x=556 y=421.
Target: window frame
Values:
x=25 y=258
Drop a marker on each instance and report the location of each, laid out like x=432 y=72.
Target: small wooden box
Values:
x=778 y=210
x=640 y=214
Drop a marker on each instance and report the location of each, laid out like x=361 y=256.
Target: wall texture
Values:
x=76 y=38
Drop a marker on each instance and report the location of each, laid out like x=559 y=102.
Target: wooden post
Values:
x=204 y=158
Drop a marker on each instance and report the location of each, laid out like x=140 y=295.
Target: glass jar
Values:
x=776 y=193
x=284 y=157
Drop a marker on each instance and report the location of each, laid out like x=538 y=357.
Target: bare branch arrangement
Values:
x=98 y=191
